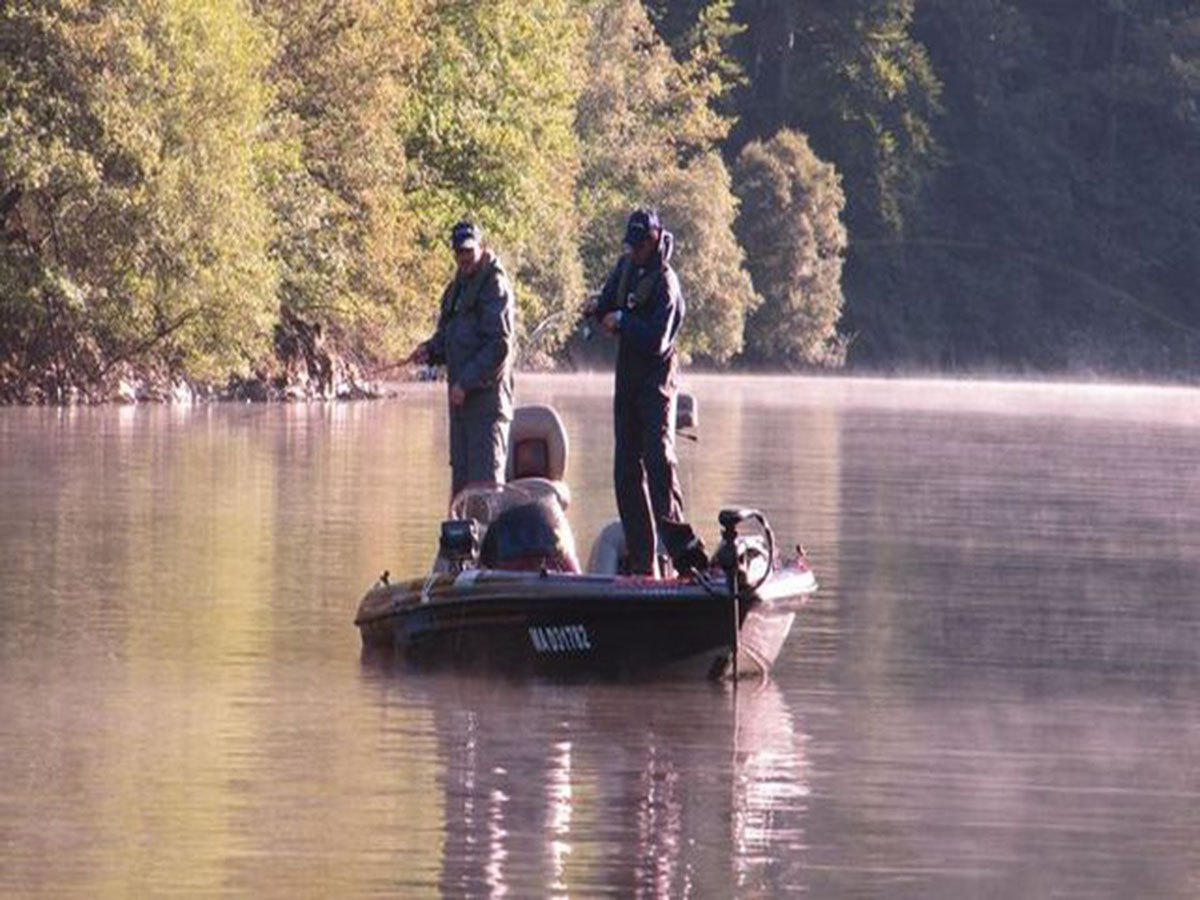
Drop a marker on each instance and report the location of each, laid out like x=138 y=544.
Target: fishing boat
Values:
x=506 y=592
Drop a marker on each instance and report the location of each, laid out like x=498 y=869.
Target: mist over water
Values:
x=994 y=694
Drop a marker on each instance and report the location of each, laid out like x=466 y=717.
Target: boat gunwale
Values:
x=444 y=591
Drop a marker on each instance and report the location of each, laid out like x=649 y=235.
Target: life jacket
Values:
x=462 y=294
x=643 y=293
x=647 y=287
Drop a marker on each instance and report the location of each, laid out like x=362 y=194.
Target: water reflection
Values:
x=770 y=790
x=992 y=695
x=560 y=790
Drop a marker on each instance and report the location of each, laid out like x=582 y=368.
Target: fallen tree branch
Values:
x=160 y=334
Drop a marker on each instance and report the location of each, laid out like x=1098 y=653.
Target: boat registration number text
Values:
x=559 y=638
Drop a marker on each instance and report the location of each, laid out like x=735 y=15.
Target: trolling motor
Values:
x=747 y=561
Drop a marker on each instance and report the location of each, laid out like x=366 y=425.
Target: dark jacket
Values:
x=652 y=311
x=474 y=337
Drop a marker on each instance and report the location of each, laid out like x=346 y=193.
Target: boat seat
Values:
x=537 y=453
x=609 y=556
x=489 y=505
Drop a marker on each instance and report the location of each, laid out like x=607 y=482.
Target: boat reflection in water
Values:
x=632 y=790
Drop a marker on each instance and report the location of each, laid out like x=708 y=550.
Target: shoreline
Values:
x=260 y=391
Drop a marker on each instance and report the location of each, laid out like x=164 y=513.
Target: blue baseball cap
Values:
x=641 y=223
x=465 y=236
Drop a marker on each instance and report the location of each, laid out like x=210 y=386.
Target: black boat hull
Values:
x=566 y=625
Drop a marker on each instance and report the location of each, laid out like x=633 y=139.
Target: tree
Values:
x=489 y=134
x=1056 y=238
x=697 y=201
x=133 y=229
x=623 y=125
x=791 y=228
x=647 y=130
x=700 y=34
x=849 y=75
x=852 y=77
x=347 y=240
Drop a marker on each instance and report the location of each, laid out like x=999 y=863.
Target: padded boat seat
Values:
x=610 y=556
x=537 y=453
x=608 y=550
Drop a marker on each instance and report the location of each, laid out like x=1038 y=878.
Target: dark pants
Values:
x=644 y=469
x=478 y=446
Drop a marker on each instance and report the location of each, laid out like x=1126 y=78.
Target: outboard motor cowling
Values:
x=529 y=537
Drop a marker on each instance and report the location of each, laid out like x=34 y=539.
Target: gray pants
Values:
x=478 y=447
x=644 y=471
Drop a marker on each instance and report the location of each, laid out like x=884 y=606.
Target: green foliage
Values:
x=790 y=225
x=133 y=229
x=180 y=177
x=675 y=19
x=704 y=79
x=1063 y=236
x=347 y=240
x=852 y=77
x=647 y=126
x=698 y=203
x=489 y=131
x=623 y=123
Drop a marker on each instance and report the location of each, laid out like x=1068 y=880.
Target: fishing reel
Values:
x=588 y=322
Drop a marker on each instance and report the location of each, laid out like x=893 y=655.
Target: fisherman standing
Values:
x=474 y=339
x=642 y=304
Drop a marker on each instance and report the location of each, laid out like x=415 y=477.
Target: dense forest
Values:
x=229 y=197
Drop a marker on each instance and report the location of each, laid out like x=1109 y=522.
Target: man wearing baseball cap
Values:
x=642 y=305
x=474 y=340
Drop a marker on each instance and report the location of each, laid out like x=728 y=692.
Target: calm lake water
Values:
x=996 y=692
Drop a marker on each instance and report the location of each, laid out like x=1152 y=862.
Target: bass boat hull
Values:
x=568 y=625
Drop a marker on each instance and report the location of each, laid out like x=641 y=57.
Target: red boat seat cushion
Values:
x=531 y=459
